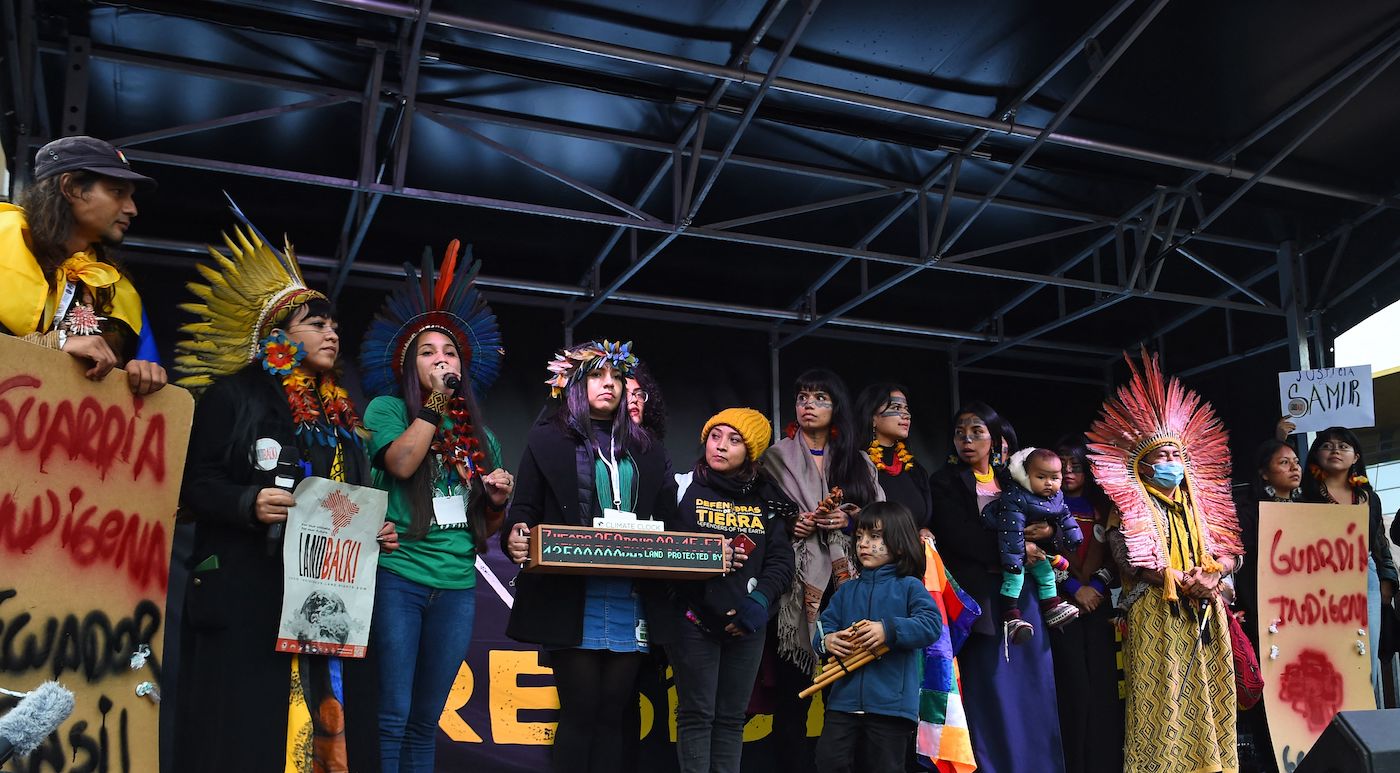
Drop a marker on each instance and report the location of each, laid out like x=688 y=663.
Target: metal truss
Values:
x=679 y=161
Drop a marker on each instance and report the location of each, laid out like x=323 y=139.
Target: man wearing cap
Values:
x=56 y=287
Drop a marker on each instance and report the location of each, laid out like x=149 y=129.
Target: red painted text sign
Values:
x=89 y=483
x=1313 y=628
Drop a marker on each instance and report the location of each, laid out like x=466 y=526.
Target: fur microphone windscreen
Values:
x=30 y=722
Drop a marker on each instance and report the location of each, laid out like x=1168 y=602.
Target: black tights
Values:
x=598 y=712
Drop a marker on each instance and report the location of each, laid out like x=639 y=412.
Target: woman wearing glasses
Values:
x=647 y=407
x=821 y=450
x=1007 y=692
x=1336 y=474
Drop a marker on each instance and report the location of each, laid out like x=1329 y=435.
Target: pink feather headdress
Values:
x=1147 y=413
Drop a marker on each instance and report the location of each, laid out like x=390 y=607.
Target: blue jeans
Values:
x=422 y=635
x=713 y=682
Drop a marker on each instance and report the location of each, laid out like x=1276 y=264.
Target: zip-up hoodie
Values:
x=890 y=685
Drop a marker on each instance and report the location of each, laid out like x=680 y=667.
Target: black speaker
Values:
x=1357 y=742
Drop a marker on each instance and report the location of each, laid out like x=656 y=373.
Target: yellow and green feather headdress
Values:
x=244 y=295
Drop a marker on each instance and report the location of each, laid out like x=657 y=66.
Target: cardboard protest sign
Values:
x=1328 y=397
x=90 y=480
x=1312 y=622
x=330 y=555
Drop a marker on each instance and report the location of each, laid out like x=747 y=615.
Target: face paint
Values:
x=871 y=550
x=895 y=408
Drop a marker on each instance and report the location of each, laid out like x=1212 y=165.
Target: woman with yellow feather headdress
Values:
x=262 y=358
x=1161 y=455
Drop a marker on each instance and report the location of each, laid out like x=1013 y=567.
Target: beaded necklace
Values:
x=321 y=410
x=457 y=447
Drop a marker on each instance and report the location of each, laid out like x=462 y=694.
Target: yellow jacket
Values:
x=27 y=301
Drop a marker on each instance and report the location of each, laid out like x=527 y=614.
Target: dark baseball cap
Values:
x=68 y=154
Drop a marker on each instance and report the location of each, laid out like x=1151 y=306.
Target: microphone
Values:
x=452 y=381
x=286 y=475
x=31 y=721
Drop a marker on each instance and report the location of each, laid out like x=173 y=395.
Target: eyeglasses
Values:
x=1329 y=446
x=638 y=396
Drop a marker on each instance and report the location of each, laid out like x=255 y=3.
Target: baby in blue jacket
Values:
x=876 y=708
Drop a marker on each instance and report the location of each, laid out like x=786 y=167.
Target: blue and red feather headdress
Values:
x=451 y=305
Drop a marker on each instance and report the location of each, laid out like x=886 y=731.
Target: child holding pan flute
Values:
x=876 y=707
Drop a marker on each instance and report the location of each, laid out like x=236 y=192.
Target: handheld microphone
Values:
x=286 y=475
x=452 y=381
x=31 y=721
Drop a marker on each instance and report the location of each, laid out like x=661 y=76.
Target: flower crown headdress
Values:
x=451 y=305
x=569 y=365
x=247 y=292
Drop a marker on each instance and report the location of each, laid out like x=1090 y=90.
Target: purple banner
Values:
x=503 y=707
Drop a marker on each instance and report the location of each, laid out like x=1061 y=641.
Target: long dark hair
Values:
x=846 y=463
x=901 y=535
x=572 y=416
x=420 y=484
x=1000 y=428
x=51 y=223
x=1076 y=448
x=1313 y=485
x=872 y=399
x=654 y=412
x=1263 y=454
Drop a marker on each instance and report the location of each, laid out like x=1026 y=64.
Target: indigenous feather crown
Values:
x=452 y=305
x=1145 y=414
x=248 y=293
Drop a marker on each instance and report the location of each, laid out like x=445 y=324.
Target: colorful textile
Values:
x=1181 y=689
x=823 y=558
x=943 y=737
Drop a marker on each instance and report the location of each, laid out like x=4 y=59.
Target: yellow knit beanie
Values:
x=753 y=427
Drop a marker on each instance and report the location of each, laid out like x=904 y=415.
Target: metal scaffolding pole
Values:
x=688 y=214
x=740 y=59
x=1294 y=143
x=1290 y=280
x=563 y=128
x=1346 y=71
x=952 y=164
x=1119 y=49
x=837 y=95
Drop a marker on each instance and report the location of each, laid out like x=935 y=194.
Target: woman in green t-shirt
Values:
x=447 y=493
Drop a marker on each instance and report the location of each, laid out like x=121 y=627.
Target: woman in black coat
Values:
x=1008 y=691
x=886 y=407
x=234 y=685
x=587 y=457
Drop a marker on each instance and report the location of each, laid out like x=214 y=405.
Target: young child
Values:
x=876 y=708
x=1034 y=497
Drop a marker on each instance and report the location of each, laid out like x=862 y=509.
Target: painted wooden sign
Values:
x=89 y=483
x=1313 y=635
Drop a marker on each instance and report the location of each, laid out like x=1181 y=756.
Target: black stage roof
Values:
x=1020 y=187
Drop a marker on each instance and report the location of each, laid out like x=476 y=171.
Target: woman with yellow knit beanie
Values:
x=714 y=630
